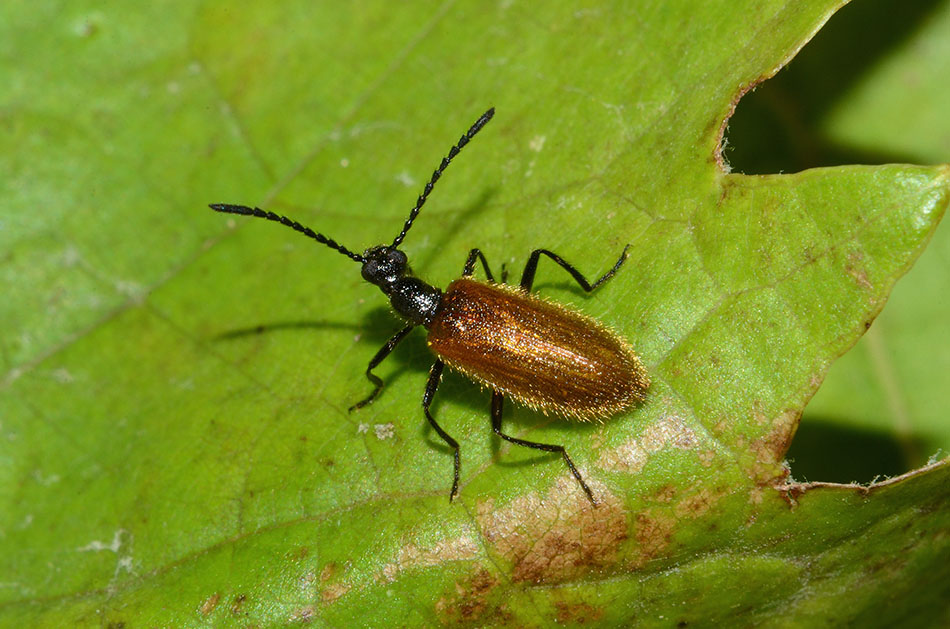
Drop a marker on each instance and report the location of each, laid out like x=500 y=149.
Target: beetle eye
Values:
x=397 y=259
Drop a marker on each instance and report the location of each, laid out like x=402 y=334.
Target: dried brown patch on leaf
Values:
x=470 y=599
x=632 y=455
x=237 y=605
x=297 y=554
x=329 y=571
x=769 y=450
x=653 y=531
x=697 y=503
x=577 y=613
x=412 y=556
x=334 y=591
x=557 y=536
x=665 y=493
x=777 y=483
x=329 y=591
x=855 y=268
x=209 y=604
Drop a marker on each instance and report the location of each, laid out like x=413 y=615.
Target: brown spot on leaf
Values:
x=664 y=493
x=770 y=449
x=296 y=554
x=856 y=270
x=209 y=604
x=577 y=613
x=808 y=254
x=237 y=604
x=470 y=599
x=328 y=572
x=653 y=532
x=558 y=536
x=333 y=592
x=330 y=591
x=696 y=504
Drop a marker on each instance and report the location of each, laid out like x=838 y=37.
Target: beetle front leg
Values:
x=380 y=356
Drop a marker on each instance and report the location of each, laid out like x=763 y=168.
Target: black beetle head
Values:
x=384 y=266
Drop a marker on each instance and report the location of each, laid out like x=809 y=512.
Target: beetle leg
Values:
x=527 y=277
x=473 y=256
x=435 y=377
x=497 y=403
x=378 y=358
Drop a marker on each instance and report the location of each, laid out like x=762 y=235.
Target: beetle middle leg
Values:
x=497 y=404
x=380 y=356
x=435 y=377
x=527 y=277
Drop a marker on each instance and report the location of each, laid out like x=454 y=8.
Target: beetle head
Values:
x=384 y=266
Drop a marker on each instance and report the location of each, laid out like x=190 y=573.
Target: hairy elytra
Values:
x=546 y=356
x=538 y=352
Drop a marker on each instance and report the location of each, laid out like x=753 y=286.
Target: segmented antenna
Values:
x=481 y=122
x=283 y=220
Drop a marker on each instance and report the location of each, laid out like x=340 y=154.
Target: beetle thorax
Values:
x=388 y=268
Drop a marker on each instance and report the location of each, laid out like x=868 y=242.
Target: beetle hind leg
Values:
x=527 y=276
x=497 y=405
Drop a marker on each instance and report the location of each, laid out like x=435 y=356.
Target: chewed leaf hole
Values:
x=785 y=124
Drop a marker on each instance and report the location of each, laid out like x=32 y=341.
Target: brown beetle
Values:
x=540 y=353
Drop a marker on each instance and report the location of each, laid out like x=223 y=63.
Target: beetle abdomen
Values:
x=540 y=353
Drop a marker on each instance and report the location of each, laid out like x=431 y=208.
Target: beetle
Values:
x=546 y=356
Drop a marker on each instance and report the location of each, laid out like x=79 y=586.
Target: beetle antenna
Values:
x=283 y=220
x=481 y=122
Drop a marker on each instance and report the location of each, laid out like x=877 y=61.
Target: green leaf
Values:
x=175 y=446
